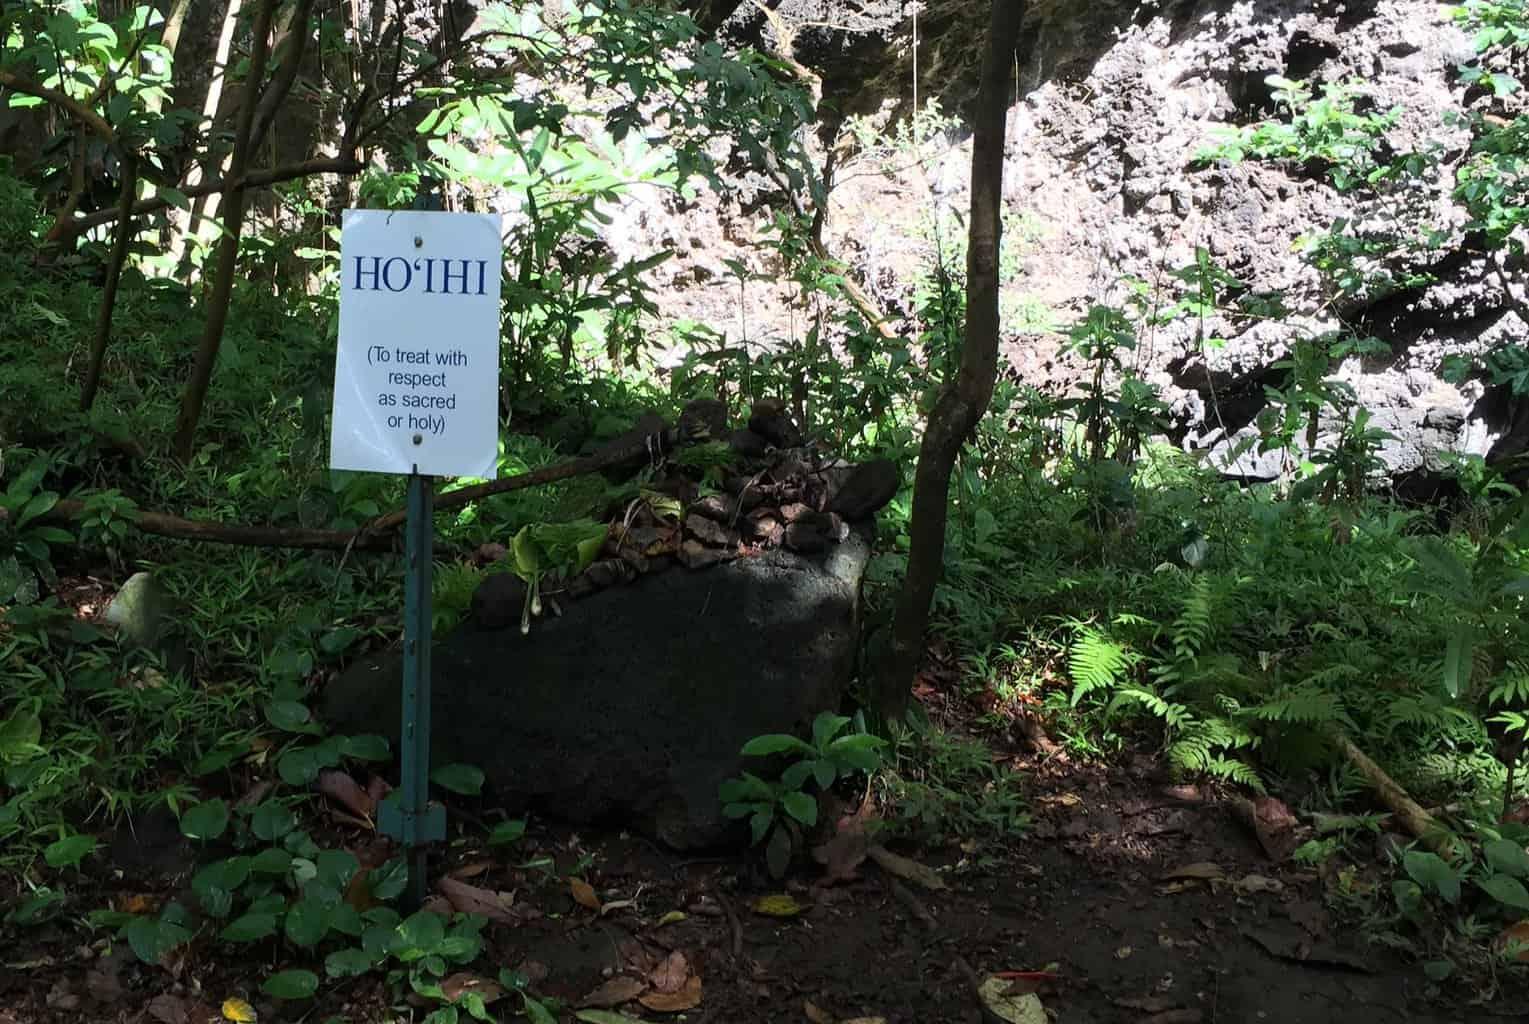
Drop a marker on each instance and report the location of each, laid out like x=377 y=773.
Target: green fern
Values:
x=1512 y=689
x=1174 y=716
x=1097 y=663
x=1307 y=704
x=1192 y=628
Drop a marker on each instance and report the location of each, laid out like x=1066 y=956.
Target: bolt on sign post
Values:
x=416 y=392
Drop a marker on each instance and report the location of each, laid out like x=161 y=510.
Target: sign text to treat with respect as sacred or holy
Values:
x=417 y=370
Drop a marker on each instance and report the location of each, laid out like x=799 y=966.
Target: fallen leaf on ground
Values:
x=1146 y=1004
x=670 y=975
x=815 y=1014
x=1273 y=824
x=378 y=788
x=461 y=983
x=687 y=998
x=347 y=792
x=1024 y=1008
x=62 y=998
x=604 y=1017
x=841 y=855
x=673 y=917
x=472 y=870
x=1203 y=871
x=778 y=905
x=470 y=899
x=138 y=903
x=168 y=1009
x=584 y=894
x=1298 y=950
x=909 y=870
x=1517 y=933
x=435 y=903
x=615 y=905
x=1124 y=953
x=1258 y=883
x=1184 y=1016
x=614 y=992
x=238 y=1011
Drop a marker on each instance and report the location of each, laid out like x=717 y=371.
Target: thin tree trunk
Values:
x=228 y=246
x=184 y=225
x=129 y=167
x=962 y=401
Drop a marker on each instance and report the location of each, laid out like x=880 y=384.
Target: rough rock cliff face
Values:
x=1115 y=99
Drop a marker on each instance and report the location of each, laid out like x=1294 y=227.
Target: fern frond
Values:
x=1305 y=704
x=1097 y=663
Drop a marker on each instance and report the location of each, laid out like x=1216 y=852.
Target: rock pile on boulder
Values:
x=708 y=619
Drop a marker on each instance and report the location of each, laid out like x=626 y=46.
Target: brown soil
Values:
x=1079 y=908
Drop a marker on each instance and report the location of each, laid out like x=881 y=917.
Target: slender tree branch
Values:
x=281 y=83
x=65 y=214
x=82 y=113
x=124 y=234
x=228 y=246
x=254 y=179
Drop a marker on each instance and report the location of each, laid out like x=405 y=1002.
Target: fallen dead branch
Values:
x=376 y=535
x=1407 y=812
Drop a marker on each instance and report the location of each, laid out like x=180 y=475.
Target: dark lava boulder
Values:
x=632 y=705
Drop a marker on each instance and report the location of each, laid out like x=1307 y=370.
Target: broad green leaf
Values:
x=418 y=936
x=348 y=963
x=364 y=748
x=389 y=881
x=459 y=778
x=272 y=820
x=250 y=928
x=538 y=1013
x=215 y=883
x=274 y=861
x=1431 y=872
x=1510 y=892
x=291 y=985
x=69 y=851
x=289 y=716
x=798 y=773
x=824 y=773
x=777 y=743
x=1457 y=661
x=825 y=727
x=507 y=832
x=1507 y=857
x=307 y=923
x=299 y=767
x=151 y=938
x=337 y=867
x=801 y=807
x=206 y=821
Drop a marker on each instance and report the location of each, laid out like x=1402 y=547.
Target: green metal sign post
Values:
x=412 y=819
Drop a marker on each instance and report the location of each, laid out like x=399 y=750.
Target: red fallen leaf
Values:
x=846 y=851
x=469 y=899
x=618 y=990
x=687 y=998
x=358 y=892
x=669 y=976
x=463 y=982
x=346 y=792
x=1272 y=823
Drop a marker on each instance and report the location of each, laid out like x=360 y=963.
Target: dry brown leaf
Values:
x=138 y=903
x=842 y=855
x=584 y=894
x=670 y=975
x=618 y=990
x=472 y=870
x=1203 y=871
x=687 y=998
x=347 y=792
x=470 y=899
x=816 y=1015
x=463 y=982
x=908 y=870
x=1146 y=1004
x=168 y=1009
x=378 y=788
x=435 y=903
x=615 y=905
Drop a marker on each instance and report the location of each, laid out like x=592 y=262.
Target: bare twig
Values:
x=82 y=113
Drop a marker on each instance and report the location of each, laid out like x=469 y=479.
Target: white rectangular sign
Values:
x=416 y=377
